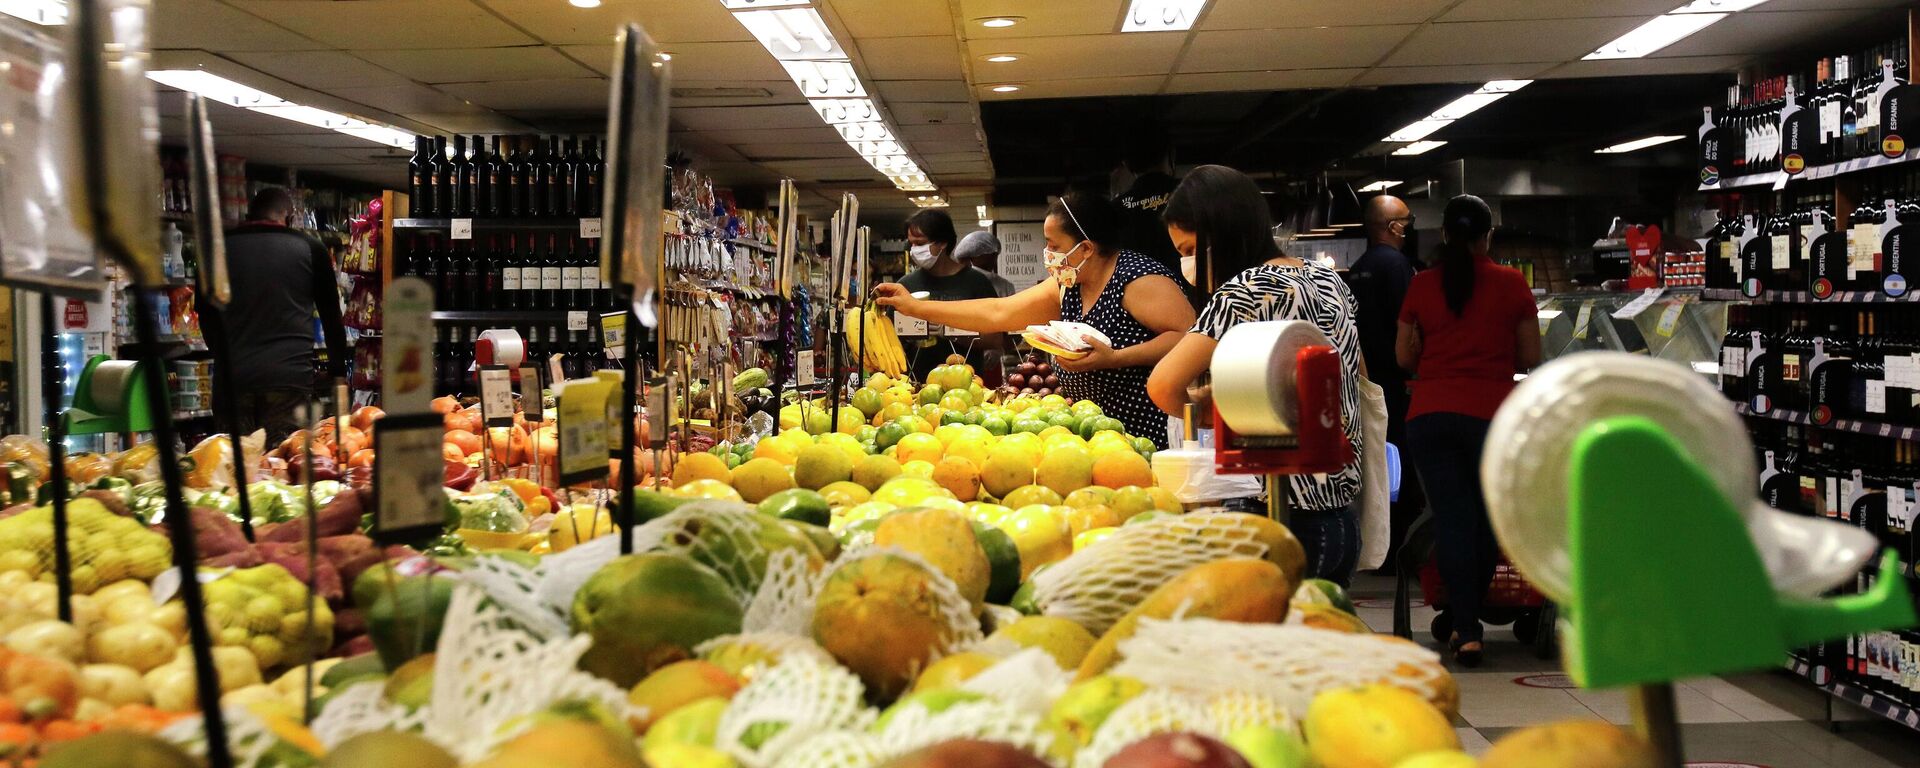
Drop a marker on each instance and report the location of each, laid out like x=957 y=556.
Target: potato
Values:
x=141 y=645
x=114 y=684
x=51 y=638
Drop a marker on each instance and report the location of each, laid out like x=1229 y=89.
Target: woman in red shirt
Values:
x=1465 y=329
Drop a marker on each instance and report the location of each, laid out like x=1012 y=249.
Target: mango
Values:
x=1234 y=589
x=677 y=685
x=1571 y=744
x=1377 y=726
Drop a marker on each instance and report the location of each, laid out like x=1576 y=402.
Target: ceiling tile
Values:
x=950 y=157
x=483 y=122
x=379 y=24
x=920 y=90
x=818 y=133
x=1258 y=50
x=465 y=65
x=320 y=69
x=1293 y=79
x=719 y=118
x=1138 y=85
x=1820 y=5
x=1762 y=32
x=873 y=19
x=1058 y=58
x=960 y=167
x=925 y=113
x=215 y=26
x=669 y=22
x=1671 y=65
x=1053 y=17
x=1517 y=41
x=1470 y=73
x=937 y=134
x=795 y=151
x=911 y=58
x=719 y=61
x=1267 y=14
x=408 y=100
x=1514 y=10
x=734 y=93
x=850 y=168
x=523 y=95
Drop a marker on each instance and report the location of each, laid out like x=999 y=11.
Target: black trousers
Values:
x=1446 y=448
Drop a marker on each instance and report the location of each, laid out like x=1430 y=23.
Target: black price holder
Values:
x=496 y=395
x=409 y=477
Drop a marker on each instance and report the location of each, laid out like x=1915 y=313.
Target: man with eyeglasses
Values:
x=1379 y=280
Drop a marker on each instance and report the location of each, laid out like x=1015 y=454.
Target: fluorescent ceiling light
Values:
x=215 y=88
x=1419 y=147
x=748 y=5
x=1503 y=86
x=1659 y=32
x=1465 y=105
x=793 y=34
x=1380 y=186
x=874 y=131
x=839 y=111
x=980 y=211
x=929 y=201
x=1008 y=88
x=584 y=3
x=1161 y=15
x=1000 y=22
x=877 y=148
x=46 y=13
x=1002 y=58
x=891 y=164
x=1417 y=130
x=1716 y=6
x=1636 y=144
x=826 y=79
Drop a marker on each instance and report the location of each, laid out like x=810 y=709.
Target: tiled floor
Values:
x=1767 y=719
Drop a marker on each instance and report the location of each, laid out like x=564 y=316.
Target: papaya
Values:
x=567 y=742
x=650 y=504
x=713 y=546
x=1238 y=589
x=822 y=539
x=1003 y=560
x=406 y=621
x=649 y=610
x=879 y=617
x=353 y=668
x=944 y=539
x=1329 y=617
x=1283 y=548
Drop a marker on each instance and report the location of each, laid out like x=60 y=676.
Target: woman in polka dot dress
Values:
x=1139 y=304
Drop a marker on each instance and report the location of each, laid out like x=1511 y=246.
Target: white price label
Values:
x=530 y=399
x=1632 y=309
x=1670 y=319
x=1782 y=251
x=950 y=332
x=1876 y=396
x=496 y=396
x=589 y=229
x=803 y=367
x=556 y=368
x=577 y=320
x=462 y=229
x=1582 y=320
x=905 y=325
x=407 y=475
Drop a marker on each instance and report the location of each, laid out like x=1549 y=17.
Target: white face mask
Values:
x=923 y=256
x=1190 y=269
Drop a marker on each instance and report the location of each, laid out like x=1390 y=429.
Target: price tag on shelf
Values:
x=804 y=367
x=462 y=229
x=905 y=325
x=1670 y=319
x=1632 y=309
x=583 y=430
x=496 y=396
x=1583 y=320
x=577 y=320
x=530 y=400
x=950 y=332
x=408 y=475
x=613 y=334
x=590 y=229
x=1547 y=316
x=1876 y=396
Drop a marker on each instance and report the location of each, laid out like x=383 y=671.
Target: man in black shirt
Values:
x=1379 y=279
x=282 y=278
x=931 y=242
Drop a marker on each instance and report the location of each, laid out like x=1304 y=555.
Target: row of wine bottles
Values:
x=518 y=177
x=581 y=353
x=1803 y=247
x=1842 y=107
x=509 y=272
x=1842 y=362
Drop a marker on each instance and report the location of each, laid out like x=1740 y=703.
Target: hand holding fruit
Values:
x=1098 y=356
x=894 y=295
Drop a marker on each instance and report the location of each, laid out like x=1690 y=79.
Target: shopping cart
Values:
x=1510 y=599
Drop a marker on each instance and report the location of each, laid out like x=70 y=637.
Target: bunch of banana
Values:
x=882 y=352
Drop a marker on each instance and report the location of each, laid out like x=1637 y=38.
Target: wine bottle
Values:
x=595 y=165
x=486 y=178
x=420 y=177
x=509 y=263
x=551 y=296
x=570 y=277
x=536 y=197
x=516 y=175
x=462 y=177
x=486 y=276
x=556 y=177
x=442 y=179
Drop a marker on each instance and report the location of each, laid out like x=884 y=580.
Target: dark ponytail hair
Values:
x=1466 y=220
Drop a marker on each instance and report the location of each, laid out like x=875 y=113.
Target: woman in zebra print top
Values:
x=1219 y=212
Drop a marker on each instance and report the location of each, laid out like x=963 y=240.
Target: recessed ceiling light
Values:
x=664 y=56
x=1002 y=58
x=584 y=3
x=1009 y=88
x=216 y=88
x=1000 y=22
x=1637 y=144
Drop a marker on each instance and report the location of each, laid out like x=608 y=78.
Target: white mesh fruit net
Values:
x=914 y=726
x=482 y=685
x=1287 y=663
x=720 y=534
x=838 y=749
x=789 y=703
x=1097 y=585
x=962 y=626
x=1164 y=710
x=784 y=601
x=1028 y=679
x=514 y=587
x=765 y=648
x=249 y=741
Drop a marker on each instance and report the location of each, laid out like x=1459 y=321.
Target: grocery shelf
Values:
x=1827 y=171
x=1804 y=297
x=506 y=315
x=755 y=244
x=189 y=415
x=1876 y=428
x=1879 y=705
x=495 y=225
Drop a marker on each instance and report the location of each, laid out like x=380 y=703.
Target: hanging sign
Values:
x=42 y=245
x=406 y=358
x=583 y=429
x=1022 y=257
x=1799 y=136
x=1708 y=157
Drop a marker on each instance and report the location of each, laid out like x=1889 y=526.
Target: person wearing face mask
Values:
x=1219 y=222
x=1134 y=300
x=931 y=245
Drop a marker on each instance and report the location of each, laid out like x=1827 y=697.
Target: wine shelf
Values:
x=1804 y=297
x=1779 y=178
x=497 y=225
x=1879 y=705
x=507 y=316
x=1875 y=428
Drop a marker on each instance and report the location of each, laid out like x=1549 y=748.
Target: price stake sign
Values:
x=496 y=396
x=613 y=334
x=406 y=361
x=614 y=422
x=803 y=368
x=583 y=430
x=42 y=244
x=530 y=399
x=409 y=502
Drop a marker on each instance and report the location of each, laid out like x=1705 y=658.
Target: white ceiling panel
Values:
x=874 y=19
x=734 y=93
x=1276 y=49
x=719 y=118
x=598 y=58
x=530 y=95
x=1660 y=66
x=466 y=65
x=852 y=168
x=408 y=100
x=1207 y=82
x=1755 y=31
x=974 y=167
x=1828 y=5
x=376 y=24
x=1268 y=14
x=319 y=69
x=215 y=26
x=814 y=134
x=1499 y=42
x=1043 y=17
x=926 y=113
x=910 y=58
x=920 y=90
x=1061 y=58
x=793 y=151
x=481 y=122
x=1514 y=10
x=666 y=21
x=1470 y=73
x=1138 y=85
x=940 y=134
x=704 y=148
x=718 y=61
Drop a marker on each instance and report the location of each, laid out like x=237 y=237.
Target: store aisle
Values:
x=1765 y=719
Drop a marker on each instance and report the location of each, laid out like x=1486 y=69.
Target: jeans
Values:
x=1331 y=538
x=1446 y=450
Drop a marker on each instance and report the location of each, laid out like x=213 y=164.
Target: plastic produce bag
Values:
x=210 y=463
x=1188 y=472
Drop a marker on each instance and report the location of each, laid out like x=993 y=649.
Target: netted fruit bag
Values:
x=264 y=610
x=1097 y=585
x=789 y=703
x=1165 y=710
x=251 y=740
x=1029 y=679
x=104 y=547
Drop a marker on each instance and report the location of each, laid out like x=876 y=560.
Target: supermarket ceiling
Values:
x=526 y=65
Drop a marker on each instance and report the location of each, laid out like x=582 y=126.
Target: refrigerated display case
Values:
x=1676 y=325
